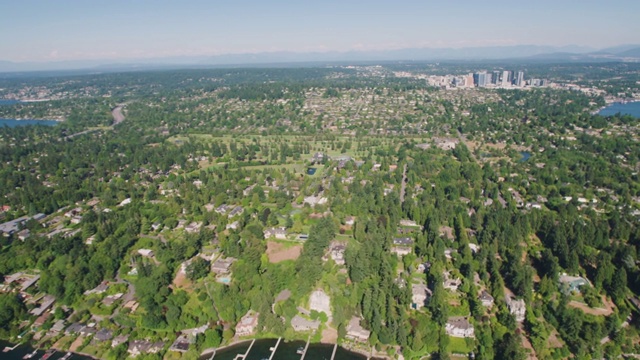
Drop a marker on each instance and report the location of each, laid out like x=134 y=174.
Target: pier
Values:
x=212 y=355
x=273 y=349
x=7 y=349
x=304 y=352
x=244 y=356
x=333 y=355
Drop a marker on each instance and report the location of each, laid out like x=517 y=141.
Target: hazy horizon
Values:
x=74 y=30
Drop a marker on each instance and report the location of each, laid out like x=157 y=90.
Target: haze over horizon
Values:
x=75 y=30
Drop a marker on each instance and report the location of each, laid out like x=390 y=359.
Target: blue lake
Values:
x=630 y=108
x=13 y=122
x=8 y=102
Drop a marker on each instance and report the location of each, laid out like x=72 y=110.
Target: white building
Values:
x=278 y=233
x=420 y=293
x=315 y=200
x=517 y=308
x=146 y=252
x=357 y=332
x=301 y=324
x=459 y=326
x=248 y=324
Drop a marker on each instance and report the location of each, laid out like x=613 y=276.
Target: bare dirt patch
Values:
x=76 y=344
x=278 y=252
x=329 y=336
x=181 y=281
x=554 y=341
x=605 y=311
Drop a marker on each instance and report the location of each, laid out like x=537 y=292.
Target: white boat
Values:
x=29 y=356
x=300 y=350
x=66 y=356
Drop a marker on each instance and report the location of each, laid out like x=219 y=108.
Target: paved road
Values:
x=131 y=292
x=404 y=183
x=118 y=117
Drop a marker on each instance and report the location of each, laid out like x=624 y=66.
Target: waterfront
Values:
x=285 y=351
x=8 y=102
x=14 y=122
x=628 y=108
x=23 y=350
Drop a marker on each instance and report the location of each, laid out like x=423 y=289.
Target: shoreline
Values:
x=364 y=353
x=614 y=102
x=24 y=119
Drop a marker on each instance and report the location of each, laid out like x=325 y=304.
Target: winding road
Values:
x=118 y=117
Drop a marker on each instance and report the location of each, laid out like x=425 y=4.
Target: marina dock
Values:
x=244 y=356
x=273 y=349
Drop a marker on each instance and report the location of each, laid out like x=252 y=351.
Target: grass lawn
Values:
x=458 y=345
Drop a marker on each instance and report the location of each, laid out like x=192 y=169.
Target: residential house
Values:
x=572 y=283
x=247 y=191
x=222 y=209
x=104 y=286
x=446 y=232
x=450 y=283
x=402 y=246
x=459 y=326
x=58 y=326
x=337 y=252
x=146 y=252
x=194 y=227
x=248 y=324
x=222 y=266
x=138 y=347
x=46 y=303
x=233 y=226
x=301 y=324
x=74 y=328
x=356 y=332
x=409 y=223
x=315 y=200
x=236 y=211
x=278 y=233
x=120 y=339
x=103 y=335
x=446 y=143
x=517 y=308
x=486 y=299
x=349 y=220
x=420 y=293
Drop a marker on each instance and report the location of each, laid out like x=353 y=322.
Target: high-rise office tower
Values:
x=520 y=79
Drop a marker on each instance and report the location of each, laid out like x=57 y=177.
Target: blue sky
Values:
x=49 y=30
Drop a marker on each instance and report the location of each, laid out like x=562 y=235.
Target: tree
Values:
x=198 y=269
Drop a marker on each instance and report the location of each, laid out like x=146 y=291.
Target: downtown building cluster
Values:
x=488 y=79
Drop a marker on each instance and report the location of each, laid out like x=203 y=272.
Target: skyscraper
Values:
x=480 y=78
x=520 y=79
x=495 y=79
x=506 y=78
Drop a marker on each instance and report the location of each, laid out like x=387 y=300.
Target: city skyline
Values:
x=42 y=31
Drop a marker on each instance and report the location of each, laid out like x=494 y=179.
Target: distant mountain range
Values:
x=533 y=53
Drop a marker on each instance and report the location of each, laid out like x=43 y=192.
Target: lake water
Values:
x=14 y=122
x=8 y=102
x=285 y=351
x=630 y=108
x=23 y=350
